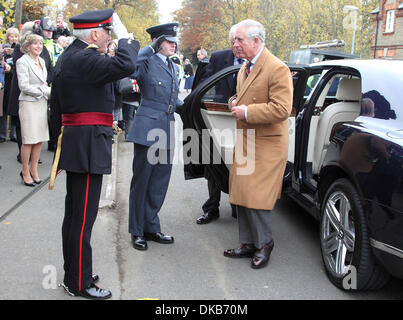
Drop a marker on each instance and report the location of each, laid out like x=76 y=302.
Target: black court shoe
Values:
x=32 y=184
x=35 y=181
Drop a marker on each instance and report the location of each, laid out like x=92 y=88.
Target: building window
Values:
x=390 y=21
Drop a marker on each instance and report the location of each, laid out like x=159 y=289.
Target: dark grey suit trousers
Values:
x=254 y=226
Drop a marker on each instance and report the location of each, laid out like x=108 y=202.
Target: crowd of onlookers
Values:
x=28 y=56
x=186 y=70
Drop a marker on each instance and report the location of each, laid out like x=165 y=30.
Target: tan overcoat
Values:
x=260 y=154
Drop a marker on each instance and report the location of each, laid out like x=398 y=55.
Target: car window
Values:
x=216 y=98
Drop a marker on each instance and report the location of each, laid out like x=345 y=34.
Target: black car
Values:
x=345 y=162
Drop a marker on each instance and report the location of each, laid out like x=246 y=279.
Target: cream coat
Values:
x=31 y=79
x=256 y=175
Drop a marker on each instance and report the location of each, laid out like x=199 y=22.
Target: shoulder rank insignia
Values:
x=92 y=46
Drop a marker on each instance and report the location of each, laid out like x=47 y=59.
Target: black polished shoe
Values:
x=158 y=237
x=207 y=217
x=95 y=278
x=262 y=256
x=139 y=243
x=93 y=292
x=244 y=251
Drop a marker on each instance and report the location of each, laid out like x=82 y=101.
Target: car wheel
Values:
x=346 y=251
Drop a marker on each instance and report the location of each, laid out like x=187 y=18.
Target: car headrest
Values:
x=349 y=90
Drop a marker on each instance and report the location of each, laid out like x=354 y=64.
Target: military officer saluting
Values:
x=153 y=135
x=82 y=102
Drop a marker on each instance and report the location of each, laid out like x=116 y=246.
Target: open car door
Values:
x=209 y=129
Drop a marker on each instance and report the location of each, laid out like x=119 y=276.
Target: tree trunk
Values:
x=18 y=12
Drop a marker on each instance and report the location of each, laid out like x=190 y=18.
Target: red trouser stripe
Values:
x=82 y=232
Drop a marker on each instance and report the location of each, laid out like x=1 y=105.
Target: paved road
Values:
x=192 y=268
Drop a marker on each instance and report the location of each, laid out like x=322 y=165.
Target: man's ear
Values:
x=94 y=35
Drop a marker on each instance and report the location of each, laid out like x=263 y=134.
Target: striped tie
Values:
x=248 y=65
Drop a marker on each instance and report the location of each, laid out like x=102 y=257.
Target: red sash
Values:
x=87 y=119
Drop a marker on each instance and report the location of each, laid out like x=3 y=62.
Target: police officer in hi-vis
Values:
x=82 y=103
x=153 y=135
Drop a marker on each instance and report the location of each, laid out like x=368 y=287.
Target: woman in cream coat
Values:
x=32 y=74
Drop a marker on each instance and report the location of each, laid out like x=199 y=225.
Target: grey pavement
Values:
x=31 y=262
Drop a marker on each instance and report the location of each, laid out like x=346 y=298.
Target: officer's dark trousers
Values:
x=151 y=173
x=81 y=208
x=213 y=202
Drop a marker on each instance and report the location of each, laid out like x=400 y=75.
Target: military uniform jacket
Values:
x=83 y=82
x=159 y=99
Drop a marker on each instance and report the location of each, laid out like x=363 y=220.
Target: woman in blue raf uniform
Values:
x=82 y=104
x=153 y=135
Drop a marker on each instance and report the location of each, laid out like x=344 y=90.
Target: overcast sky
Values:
x=166 y=7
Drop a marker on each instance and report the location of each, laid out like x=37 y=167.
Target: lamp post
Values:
x=355 y=9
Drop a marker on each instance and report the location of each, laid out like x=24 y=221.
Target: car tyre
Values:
x=345 y=245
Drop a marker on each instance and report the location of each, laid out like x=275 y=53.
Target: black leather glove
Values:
x=157 y=43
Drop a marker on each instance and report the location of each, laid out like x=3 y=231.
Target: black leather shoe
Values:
x=262 y=256
x=244 y=251
x=95 y=278
x=207 y=217
x=139 y=243
x=158 y=237
x=95 y=293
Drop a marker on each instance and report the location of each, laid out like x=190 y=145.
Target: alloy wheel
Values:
x=338 y=234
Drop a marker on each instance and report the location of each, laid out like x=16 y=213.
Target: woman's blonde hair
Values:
x=11 y=31
x=27 y=39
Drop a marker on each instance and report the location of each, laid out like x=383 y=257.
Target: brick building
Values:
x=387 y=36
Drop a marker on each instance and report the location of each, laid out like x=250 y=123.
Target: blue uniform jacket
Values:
x=159 y=99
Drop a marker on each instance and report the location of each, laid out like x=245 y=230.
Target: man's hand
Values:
x=239 y=112
x=157 y=43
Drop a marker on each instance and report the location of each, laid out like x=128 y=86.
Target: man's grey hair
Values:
x=204 y=52
x=232 y=31
x=254 y=29
x=83 y=34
